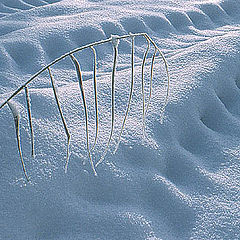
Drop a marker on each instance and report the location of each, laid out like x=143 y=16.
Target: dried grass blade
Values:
x=151 y=80
x=130 y=96
x=30 y=119
x=168 y=85
x=62 y=57
x=113 y=96
x=62 y=118
x=143 y=94
x=95 y=94
x=168 y=76
x=79 y=74
x=16 y=117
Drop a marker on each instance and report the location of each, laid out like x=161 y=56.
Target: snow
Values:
x=181 y=181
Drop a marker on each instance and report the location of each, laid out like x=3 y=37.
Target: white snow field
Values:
x=180 y=182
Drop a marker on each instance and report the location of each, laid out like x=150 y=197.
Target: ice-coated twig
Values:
x=151 y=80
x=79 y=74
x=95 y=93
x=130 y=96
x=30 y=119
x=115 y=42
x=143 y=94
x=62 y=118
x=16 y=117
x=74 y=51
x=168 y=76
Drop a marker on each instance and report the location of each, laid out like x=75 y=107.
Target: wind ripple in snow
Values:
x=180 y=183
x=8 y=7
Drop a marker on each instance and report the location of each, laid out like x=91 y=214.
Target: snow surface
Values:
x=182 y=182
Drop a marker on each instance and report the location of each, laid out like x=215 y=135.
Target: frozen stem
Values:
x=95 y=93
x=168 y=76
x=16 y=117
x=143 y=94
x=62 y=117
x=79 y=74
x=130 y=96
x=114 y=39
x=151 y=78
x=30 y=119
x=115 y=42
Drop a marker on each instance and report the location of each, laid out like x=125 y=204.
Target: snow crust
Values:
x=182 y=181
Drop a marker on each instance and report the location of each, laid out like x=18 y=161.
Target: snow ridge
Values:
x=182 y=181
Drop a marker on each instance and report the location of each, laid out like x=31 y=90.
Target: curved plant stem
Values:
x=95 y=94
x=113 y=96
x=30 y=119
x=115 y=40
x=64 y=56
x=16 y=118
x=79 y=74
x=151 y=78
x=130 y=96
x=143 y=94
x=62 y=117
x=168 y=76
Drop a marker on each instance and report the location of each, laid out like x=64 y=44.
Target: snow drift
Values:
x=182 y=181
